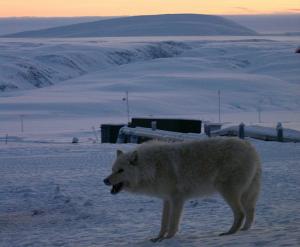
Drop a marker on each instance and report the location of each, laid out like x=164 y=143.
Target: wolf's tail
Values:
x=249 y=199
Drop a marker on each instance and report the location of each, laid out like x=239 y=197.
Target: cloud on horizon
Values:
x=246 y=11
x=294 y=10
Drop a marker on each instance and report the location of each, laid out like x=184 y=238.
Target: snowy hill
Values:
x=152 y=25
x=28 y=65
x=177 y=78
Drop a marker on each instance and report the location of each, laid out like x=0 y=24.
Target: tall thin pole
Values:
x=22 y=123
x=219 y=99
x=127 y=106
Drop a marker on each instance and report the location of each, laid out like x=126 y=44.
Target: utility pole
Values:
x=127 y=106
x=219 y=99
x=259 y=109
x=259 y=114
x=22 y=123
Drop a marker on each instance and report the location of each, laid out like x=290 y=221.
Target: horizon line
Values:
x=89 y=16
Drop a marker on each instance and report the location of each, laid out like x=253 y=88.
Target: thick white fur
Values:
x=176 y=172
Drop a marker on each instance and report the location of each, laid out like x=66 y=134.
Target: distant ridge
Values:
x=10 y=25
x=148 y=25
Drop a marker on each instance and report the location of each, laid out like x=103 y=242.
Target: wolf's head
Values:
x=124 y=172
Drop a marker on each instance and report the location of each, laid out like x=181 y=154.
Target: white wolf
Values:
x=176 y=172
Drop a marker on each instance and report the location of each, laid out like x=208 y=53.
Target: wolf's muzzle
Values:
x=117 y=188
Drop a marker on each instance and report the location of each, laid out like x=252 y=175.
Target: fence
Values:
x=140 y=134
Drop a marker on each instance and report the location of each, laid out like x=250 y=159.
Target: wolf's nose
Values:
x=106 y=182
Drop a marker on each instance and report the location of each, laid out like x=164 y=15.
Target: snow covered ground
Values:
x=53 y=195
x=52 y=192
x=84 y=81
x=36 y=63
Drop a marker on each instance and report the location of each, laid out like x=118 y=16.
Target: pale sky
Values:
x=141 y=7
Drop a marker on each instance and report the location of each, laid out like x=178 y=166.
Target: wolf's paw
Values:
x=161 y=238
x=157 y=239
x=226 y=233
x=245 y=228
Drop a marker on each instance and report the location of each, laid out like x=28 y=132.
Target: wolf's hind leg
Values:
x=249 y=199
x=233 y=198
x=164 y=222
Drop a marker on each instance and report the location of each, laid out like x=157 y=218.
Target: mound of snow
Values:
x=151 y=25
x=36 y=65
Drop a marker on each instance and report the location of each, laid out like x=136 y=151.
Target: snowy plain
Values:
x=61 y=85
x=51 y=90
x=53 y=195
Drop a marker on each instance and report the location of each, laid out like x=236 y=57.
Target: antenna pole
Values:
x=219 y=101
x=127 y=106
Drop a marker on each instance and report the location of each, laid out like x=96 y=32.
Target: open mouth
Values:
x=116 y=188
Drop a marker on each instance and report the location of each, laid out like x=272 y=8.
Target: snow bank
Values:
x=260 y=132
x=163 y=135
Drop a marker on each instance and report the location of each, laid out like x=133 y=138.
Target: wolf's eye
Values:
x=120 y=171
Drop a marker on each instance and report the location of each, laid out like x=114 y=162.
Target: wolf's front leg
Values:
x=175 y=210
x=176 y=207
x=164 y=222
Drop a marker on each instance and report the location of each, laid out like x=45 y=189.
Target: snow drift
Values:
x=35 y=65
x=151 y=25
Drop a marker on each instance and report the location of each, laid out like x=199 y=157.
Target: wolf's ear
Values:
x=133 y=160
x=119 y=152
